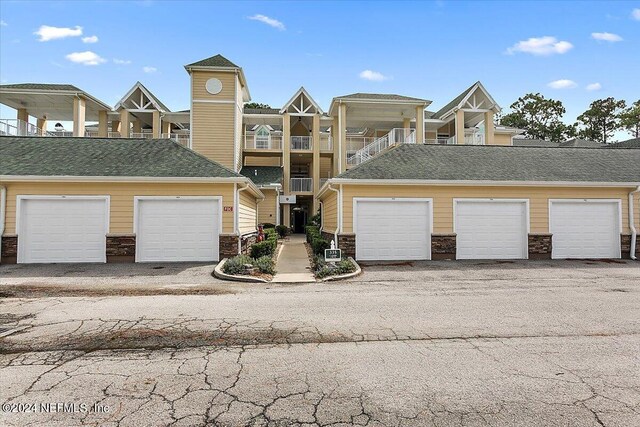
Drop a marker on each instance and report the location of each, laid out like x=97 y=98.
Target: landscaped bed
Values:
x=260 y=263
x=316 y=246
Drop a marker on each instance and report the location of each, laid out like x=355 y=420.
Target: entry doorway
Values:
x=299 y=220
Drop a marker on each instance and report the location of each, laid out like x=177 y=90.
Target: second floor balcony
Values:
x=301 y=185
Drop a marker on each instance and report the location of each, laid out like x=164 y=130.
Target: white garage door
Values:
x=177 y=229
x=392 y=229
x=62 y=229
x=585 y=229
x=491 y=229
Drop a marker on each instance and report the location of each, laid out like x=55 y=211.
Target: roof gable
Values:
x=217 y=61
x=141 y=102
x=460 y=100
x=301 y=102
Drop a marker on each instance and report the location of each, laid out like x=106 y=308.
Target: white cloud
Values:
x=562 y=84
x=148 y=69
x=121 y=61
x=541 y=46
x=635 y=14
x=373 y=76
x=86 y=58
x=3 y=23
x=269 y=21
x=90 y=39
x=606 y=37
x=47 y=33
x=594 y=86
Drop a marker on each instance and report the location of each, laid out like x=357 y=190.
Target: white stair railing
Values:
x=395 y=136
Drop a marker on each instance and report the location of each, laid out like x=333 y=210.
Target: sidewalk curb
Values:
x=217 y=272
x=345 y=276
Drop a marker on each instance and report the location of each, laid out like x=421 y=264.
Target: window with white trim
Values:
x=262 y=138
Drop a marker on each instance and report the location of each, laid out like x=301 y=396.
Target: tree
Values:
x=541 y=118
x=630 y=119
x=256 y=105
x=601 y=120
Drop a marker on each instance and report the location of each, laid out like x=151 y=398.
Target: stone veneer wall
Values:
x=247 y=241
x=443 y=246
x=228 y=245
x=347 y=242
x=328 y=236
x=625 y=245
x=9 y=249
x=121 y=247
x=540 y=246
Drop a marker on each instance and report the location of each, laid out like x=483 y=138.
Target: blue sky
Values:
x=432 y=50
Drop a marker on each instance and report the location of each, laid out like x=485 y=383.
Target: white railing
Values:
x=301 y=184
x=15 y=127
x=60 y=133
x=180 y=138
x=326 y=144
x=301 y=142
x=395 y=136
x=142 y=135
x=440 y=140
x=475 y=138
x=355 y=143
x=113 y=134
x=262 y=142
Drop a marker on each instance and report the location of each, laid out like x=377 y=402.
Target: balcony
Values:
x=15 y=127
x=301 y=143
x=252 y=141
x=301 y=185
x=142 y=135
x=180 y=138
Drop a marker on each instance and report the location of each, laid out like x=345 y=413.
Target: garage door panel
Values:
x=585 y=229
x=63 y=230
x=178 y=230
x=392 y=230
x=491 y=229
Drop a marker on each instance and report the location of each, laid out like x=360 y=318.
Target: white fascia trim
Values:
x=480 y=183
x=70 y=178
x=58 y=92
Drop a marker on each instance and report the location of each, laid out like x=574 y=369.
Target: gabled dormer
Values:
x=301 y=103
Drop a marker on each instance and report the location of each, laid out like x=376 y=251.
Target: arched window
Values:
x=262 y=138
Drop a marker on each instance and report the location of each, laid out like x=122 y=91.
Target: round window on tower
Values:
x=213 y=86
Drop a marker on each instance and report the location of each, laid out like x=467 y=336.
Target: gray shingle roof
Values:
x=263 y=175
x=524 y=142
x=496 y=163
x=577 y=142
x=630 y=143
x=42 y=86
x=453 y=103
x=49 y=156
x=380 y=96
x=214 y=61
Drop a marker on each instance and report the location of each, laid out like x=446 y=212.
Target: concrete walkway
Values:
x=293 y=263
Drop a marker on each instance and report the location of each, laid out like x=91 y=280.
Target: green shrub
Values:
x=265 y=264
x=318 y=245
x=283 y=230
x=270 y=233
x=264 y=248
x=236 y=265
x=324 y=269
x=266 y=226
x=312 y=232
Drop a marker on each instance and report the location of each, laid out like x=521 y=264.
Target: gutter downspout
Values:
x=632 y=226
x=339 y=226
x=321 y=216
x=3 y=213
x=237 y=215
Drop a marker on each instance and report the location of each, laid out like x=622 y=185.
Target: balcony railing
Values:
x=355 y=143
x=262 y=142
x=475 y=138
x=394 y=137
x=301 y=185
x=180 y=138
x=443 y=140
x=326 y=143
x=15 y=127
x=301 y=143
x=142 y=135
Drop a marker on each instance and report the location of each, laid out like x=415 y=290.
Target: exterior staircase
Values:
x=394 y=137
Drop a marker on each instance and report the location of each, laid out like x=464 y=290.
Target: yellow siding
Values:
x=501 y=139
x=443 y=201
x=267 y=208
x=325 y=167
x=262 y=161
x=246 y=213
x=213 y=131
x=121 y=200
x=199 y=80
x=330 y=212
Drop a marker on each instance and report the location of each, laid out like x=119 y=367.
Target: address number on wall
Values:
x=228 y=208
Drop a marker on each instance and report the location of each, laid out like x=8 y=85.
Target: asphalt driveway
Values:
x=433 y=343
